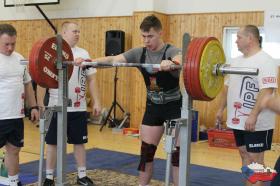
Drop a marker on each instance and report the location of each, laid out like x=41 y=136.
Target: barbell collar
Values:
x=222 y=69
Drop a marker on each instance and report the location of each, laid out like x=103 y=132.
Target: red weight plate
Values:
x=196 y=64
x=196 y=70
x=46 y=64
x=191 y=69
x=196 y=42
x=196 y=75
x=35 y=57
x=187 y=68
x=195 y=83
x=32 y=60
x=31 y=65
x=43 y=62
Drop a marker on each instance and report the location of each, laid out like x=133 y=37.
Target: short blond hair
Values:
x=65 y=25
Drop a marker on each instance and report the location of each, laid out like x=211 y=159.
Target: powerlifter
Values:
x=164 y=98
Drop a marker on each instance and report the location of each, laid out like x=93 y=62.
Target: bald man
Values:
x=242 y=95
x=77 y=115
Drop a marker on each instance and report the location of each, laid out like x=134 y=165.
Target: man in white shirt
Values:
x=15 y=86
x=242 y=95
x=77 y=115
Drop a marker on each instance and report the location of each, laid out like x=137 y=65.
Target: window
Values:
x=231 y=51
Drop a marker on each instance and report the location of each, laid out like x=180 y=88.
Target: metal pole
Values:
x=46 y=18
x=185 y=148
x=185 y=132
x=168 y=166
x=45 y=120
x=61 y=115
x=168 y=148
x=42 y=147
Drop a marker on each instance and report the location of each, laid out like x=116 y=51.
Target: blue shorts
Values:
x=255 y=142
x=157 y=114
x=76 y=129
x=12 y=131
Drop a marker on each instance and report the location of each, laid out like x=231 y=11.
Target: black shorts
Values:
x=12 y=131
x=76 y=129
x=157 y=114
x=257 y=141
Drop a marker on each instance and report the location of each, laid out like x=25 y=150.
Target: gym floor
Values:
x=201 y=153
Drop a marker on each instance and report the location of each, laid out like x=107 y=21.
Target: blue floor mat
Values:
x=127 y=163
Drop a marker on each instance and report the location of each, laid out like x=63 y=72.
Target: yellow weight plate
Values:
x=212 y=54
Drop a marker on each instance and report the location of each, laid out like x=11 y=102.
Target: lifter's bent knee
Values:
x=147 y=154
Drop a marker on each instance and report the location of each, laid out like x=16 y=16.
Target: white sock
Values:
x=82 y=172
x=13 y=180
x=49 y=174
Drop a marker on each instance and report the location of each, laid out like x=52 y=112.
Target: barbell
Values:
x=203 y=70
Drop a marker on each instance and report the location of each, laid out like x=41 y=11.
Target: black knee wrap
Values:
x=147 y=154
x=175 y=157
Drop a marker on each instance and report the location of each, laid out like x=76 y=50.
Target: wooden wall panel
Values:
x=92 y=38
x=131 y=89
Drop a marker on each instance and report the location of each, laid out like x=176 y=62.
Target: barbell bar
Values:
x=154 y=67
x=218 y=69
x=203 y=69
